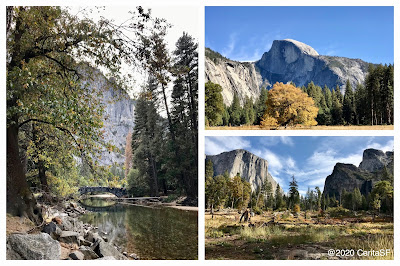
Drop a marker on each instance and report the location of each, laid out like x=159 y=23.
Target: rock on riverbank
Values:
x=63 y=237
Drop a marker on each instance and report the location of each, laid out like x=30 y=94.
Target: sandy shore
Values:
x=185 y=208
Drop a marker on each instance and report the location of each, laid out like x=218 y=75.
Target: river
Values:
x=151 y=233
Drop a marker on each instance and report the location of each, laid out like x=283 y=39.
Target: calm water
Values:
x=151 y=233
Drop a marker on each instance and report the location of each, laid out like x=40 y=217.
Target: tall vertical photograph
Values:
x=299 y=67
x=102 y=133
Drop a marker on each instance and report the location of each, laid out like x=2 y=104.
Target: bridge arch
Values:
x=119 y=192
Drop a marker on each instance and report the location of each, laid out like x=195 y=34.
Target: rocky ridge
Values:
x=287 y=60
x=364 y=177
x=250 y=167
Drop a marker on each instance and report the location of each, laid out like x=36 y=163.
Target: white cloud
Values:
x=217 y=145
x=385 y=147
x=287 y=140
x=273 y=160
x=291 y=163
x=227 y=51
x=318 y=182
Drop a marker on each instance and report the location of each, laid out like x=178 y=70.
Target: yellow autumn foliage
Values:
x=288 y=105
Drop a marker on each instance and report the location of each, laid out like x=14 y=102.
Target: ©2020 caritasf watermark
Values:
x=358 y=252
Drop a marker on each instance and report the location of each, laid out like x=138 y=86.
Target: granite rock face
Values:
x=364 y=177
x=375 y=160
x=118 y=116
x=251 y=167
x=234 y=77
x=32 y=247
x=287 y=60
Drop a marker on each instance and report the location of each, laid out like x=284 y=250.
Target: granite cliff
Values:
x=364 y=177
x=287 y=60
x=250 y=167
x=118 y=116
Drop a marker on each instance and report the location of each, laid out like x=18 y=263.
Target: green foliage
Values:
x=216 y=191
x=338 y=212
x=382 y=197
x=235 y=111
x=214 y=105
x=137 y=183
x=294 y=196
x=214 y=56
x=165 y=150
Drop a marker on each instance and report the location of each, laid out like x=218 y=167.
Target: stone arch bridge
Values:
x=119 y=192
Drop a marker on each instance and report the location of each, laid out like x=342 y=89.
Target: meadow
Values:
x=282 y=235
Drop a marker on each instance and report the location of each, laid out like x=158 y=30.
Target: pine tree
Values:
x=184 y=112
x=214 y=105
x=235 y=111
x=260 y=106
x=294 y=196
x=279 y=201
x=336 y=111
x=349 y=108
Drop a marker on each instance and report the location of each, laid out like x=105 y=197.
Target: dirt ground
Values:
x=299 y=127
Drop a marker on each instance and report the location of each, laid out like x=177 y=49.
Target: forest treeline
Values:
x=164 y=150
x=224 y=191
x=370 y=103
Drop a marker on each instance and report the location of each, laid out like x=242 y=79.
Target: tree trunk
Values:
x=42 y=176
x=20 y=200
x=154 y=190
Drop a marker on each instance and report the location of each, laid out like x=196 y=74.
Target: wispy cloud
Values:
x=287 y=140
x=251 y=49
x=228 y=50
x=310 y=171
x=217 y=145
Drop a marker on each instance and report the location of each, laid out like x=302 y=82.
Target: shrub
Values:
x=338 y=212
x=296 y=208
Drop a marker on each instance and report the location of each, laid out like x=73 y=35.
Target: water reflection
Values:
x=151 y=233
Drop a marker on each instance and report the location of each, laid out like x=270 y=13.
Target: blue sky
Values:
x=245 y=33
x=309 y=159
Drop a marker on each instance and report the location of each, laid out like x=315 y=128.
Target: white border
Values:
x=201 y=4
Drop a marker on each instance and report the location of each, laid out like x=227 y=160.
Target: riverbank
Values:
x=179 y=203
x=61 y=236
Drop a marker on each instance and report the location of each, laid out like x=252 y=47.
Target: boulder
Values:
x=88 y=253
x=84 y=242
x=69 y=237
x=134 y=256
x=104 y=249
x=107 y=258
x=49 y=228
x=72 y=224
x=33 y=247
x=77 y=255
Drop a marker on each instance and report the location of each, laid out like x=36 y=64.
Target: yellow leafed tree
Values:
x=288 y=106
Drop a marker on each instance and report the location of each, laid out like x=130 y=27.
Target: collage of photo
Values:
x=199 y=131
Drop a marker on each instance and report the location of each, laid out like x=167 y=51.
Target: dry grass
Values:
x=300 y=127
x=224 y=234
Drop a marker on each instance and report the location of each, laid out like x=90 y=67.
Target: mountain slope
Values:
x=118 y=117
x=287 y=60
x=364 y=177
x=250 y=167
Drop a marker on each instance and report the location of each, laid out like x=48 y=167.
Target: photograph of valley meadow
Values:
x=318 y=68
x=299 y=198
x=102 y=133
